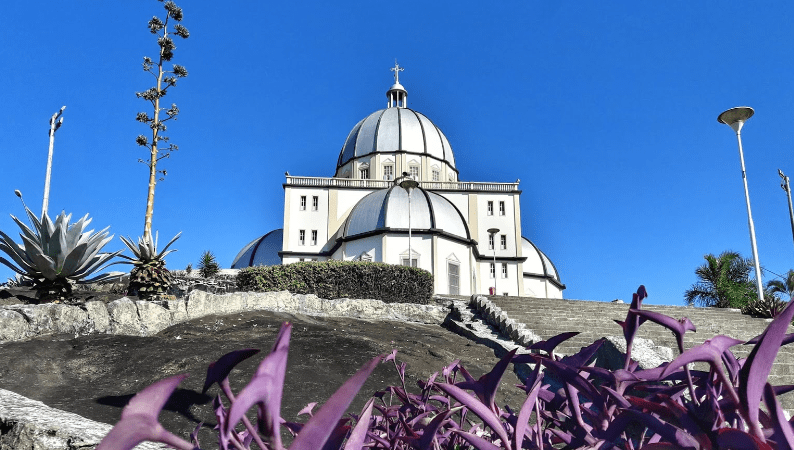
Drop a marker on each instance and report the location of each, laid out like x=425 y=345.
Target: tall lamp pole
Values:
x=408 y=183
x=55 y=122
x=787 y=187
x=735 y=118
x=492 y=232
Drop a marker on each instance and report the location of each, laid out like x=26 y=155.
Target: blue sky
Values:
x=606 y=111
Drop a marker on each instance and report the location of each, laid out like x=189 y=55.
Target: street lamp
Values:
x=408 y=183
x=55 y=122
x=735 y=118
x=787 y=187
x=492 y=232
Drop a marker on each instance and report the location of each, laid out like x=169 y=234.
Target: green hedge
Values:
x=342 y=279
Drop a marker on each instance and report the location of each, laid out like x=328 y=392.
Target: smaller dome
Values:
x=395 y=87
x=537 y=262
x=262 y=251
x=386 y=209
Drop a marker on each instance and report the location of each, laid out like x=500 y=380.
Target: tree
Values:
x=165 y=79
x=723 y=282
x=785 y=286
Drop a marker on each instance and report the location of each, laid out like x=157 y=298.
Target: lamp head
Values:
x=493 y=230
x=735 y=117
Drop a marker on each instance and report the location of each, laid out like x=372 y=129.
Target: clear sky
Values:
x=606 y=112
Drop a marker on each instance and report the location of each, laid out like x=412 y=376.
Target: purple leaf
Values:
x=139 y=419
x=783 y=432
x=359 y=433
x=429 y=433
x=755 y=371
x=337 y=436
x=478 y=442
x=478 y=408
x=584 y=355
x=678 y=327
x=733 y=438
x=485 y=387
x=265 y=389
x=526 y=409
x=391 y=357
x=220 y=369
x=667 y=431
x=710 y=351
x=307 y=409
x=549 y=345
x=319 y=428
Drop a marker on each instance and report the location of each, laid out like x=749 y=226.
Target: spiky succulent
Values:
x=767 y=307
x=56 y=254
x=149 y=277
x=208 y=267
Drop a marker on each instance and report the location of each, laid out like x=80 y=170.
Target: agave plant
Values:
x=208 y=266
x=56 y=254
x=149 y=277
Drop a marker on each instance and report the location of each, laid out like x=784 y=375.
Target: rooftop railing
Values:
x=380 y=184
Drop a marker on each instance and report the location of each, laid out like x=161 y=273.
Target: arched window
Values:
x=363 y=171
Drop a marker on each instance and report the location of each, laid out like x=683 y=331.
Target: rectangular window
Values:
x=315 y=203
x=490 y=208
x=301 y=259
x=504 y=270
x=388 y=172
x=302 y=237
x=414 y=171
x=364 y=174
x=501 y=208
x=505 y=294
x=414 y=262
x=453 y=272
x=314 y=237
x=490 y=242
x=493 y=269
x=503 y=242
x=303 y=203
x=436 y=175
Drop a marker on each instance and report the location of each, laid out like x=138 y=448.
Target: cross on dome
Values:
x=397 y=69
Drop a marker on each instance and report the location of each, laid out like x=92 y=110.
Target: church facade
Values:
x=396 y=197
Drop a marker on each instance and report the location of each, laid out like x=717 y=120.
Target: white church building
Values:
x=467 y=234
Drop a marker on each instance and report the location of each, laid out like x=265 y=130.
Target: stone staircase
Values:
x=594 y=320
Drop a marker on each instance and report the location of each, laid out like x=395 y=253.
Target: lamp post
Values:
x=408 y=183
x=735 y=118
x=787 y=187
x=492 y=232
x=55 y=122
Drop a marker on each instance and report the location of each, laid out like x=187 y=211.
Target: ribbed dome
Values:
x=387 y=209
x=396 y=129
x=262 y=251
x=537 y=262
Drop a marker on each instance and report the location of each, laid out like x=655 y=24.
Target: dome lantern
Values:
x=397 y=95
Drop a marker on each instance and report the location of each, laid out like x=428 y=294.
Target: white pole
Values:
x=410 y=251
x=750 y=219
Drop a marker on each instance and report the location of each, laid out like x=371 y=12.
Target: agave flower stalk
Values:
x=56 y=254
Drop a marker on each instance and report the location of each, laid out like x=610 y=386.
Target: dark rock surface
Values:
x=94 y=376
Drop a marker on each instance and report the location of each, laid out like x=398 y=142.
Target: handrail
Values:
x=381 y=184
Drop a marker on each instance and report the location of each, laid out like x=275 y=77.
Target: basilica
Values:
x=397 y=197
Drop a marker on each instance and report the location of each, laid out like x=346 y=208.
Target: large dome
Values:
x=396 y=130
x=385 y=210
x=262 y=251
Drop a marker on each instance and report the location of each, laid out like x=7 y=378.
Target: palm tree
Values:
x=723 y=282
x=785 y=286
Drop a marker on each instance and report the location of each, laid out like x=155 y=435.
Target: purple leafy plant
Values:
x=570 y=403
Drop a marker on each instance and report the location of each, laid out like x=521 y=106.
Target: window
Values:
x=451 y=177
x=414 y=171
x=503 y=242
x=490 y=242
x=501 y=208
x=504 y=270
x=490 y=208
x=315 y=203
x=314 y=237
x=363 y=173
x=493 y=270
x=303 y=203
x=388 y=172
x=301 y=259
x=453 y=273
x=414 y=262
x=505 y=294
x=302 y=237
x=436 y=175
x=366 y=257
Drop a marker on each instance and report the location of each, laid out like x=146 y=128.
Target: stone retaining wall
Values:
x=144 y=318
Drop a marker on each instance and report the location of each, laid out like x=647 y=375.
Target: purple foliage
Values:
x=668 y=407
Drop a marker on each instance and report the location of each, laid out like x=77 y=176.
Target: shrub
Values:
x=767 y=307
x=342 y=279
x=591 y=407
x=207 y=265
